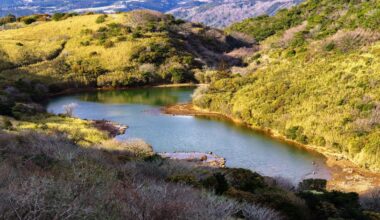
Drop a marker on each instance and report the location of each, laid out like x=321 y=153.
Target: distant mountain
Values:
x=221 y=13
x=218 y=13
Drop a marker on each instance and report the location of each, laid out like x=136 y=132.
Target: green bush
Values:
x=184 y=179
x=29 y=20
x=5 y=123
x=101 y=19
x=108 y=44
x=296 y=133
x=245 y=180
x=58 y=16
x=7 y=19
x=329 y=47
x=333 y=204
x=217 y=183
x=313 y=184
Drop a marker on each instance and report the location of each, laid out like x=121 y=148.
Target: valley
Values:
x=291 y=101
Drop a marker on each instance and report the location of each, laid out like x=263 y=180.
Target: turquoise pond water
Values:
x=242 y=147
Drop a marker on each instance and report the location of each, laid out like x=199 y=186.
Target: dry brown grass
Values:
x=49 y=177
x=349 y=40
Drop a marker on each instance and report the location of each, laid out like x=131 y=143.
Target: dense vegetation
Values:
x=49 y=54
x=62 y=167
x=315 y=79
x=56 y=166
x=323 y=18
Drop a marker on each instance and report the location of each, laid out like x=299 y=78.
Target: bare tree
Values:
x=69 y=109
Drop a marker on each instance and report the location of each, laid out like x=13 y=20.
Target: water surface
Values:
x=242 y=147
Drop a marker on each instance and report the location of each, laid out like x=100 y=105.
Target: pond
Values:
x=241 y=146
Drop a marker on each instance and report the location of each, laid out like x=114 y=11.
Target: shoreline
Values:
x=345 y=175
x=93 y=89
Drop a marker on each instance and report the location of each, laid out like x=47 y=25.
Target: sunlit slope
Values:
x=311 y=83
x=96 y=50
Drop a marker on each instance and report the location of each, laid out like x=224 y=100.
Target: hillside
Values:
x=58 y=166
x=315 y=79
x=120 y=50
x=216 y=13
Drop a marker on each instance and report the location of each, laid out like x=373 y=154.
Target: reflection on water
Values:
x=139 y=109
x=157 y=96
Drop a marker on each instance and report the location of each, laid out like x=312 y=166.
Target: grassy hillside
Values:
x=61 y=166
x=43 y=54
x=56 y=166
x=315 y=80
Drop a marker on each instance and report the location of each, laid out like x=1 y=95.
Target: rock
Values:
x=112 y=128
x=205 y=159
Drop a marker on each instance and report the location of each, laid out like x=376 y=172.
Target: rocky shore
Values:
x=112 y=128
x=203 y=159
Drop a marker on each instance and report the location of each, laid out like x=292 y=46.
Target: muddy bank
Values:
x=345 y=175
x=203 y=159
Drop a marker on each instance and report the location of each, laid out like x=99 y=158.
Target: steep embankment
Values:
x=315 y=79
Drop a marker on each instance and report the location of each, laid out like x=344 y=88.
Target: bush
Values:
x=58 y=16
x=217 y=183
x=101 y=19
x=296 y=133
x=24 y=110
x=5 y=123
x=6 y=104
x=109 y=44
x=329 y=47
x=333 y=205
x=29 y=20
x=178 y=74
x=184 y=179
x=313 y=184
x=7 y=19
x=245 y=180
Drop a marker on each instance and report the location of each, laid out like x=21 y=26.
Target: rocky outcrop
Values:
x=204 y=159
x=112 y=128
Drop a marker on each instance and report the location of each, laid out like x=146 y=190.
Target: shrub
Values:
x=333 y=204
x=58 y=16
x=371 y=200
x=313 y=184
x=7 y=19
x=296 y=133
x=85 y=43
x=23 y=110
x=136 y=34
x=29 y=20
x=217 y=183
x=184 y=179
x=109 y=44
x=178 y=74
x=6 y=104
x=101 y=19
x=245 y=180
x=329 y=47
x=5 y=123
